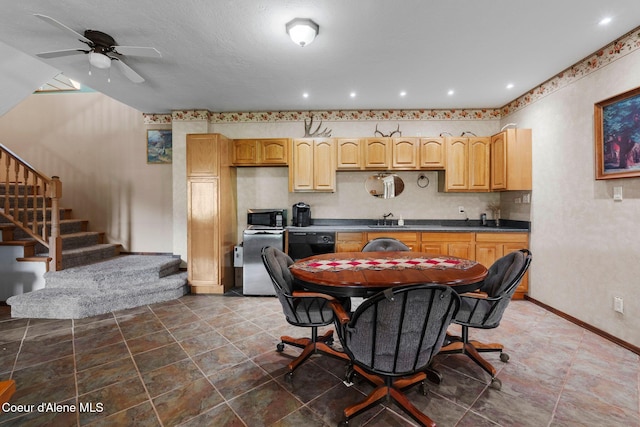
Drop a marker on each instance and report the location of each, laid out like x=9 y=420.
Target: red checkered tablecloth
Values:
x=398 y=263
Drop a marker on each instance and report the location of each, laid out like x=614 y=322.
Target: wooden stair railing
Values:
x=22 y=182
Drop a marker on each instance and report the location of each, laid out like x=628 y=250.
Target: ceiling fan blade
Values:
x=128 y=71
x=60 y=25
x=58 y=53
x=150 y=52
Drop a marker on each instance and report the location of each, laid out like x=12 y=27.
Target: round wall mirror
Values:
x=384 y=185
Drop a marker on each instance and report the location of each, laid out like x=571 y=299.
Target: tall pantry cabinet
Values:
x=211 y=213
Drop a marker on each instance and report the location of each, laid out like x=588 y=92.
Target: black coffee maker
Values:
x=301 y=215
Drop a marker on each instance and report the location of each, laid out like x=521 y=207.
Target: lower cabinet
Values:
x=491 y=246
x=349 y=242
x=459 y=245
x=485 y=248
x=407 y=237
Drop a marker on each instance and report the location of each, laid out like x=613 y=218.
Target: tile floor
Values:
x=211 y=360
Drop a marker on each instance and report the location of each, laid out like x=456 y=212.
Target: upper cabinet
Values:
x=377 y=153
x=432 y=153
x=467 y=167
x=349 y=154
x=313 y=165
x=260 y=152
x=511 y=160
x=404 y=153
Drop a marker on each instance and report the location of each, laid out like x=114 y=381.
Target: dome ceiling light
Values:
x=302 y=31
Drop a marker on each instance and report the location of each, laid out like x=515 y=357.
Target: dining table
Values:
x=361 y=274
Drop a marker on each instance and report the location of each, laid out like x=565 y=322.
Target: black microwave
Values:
x=267 y=217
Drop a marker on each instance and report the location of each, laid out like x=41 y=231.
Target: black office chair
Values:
x=384 y=244
x=391 y=339
x=302 y=308
x=484 y=309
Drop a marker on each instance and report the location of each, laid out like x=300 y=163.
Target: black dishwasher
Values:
x=304 y=244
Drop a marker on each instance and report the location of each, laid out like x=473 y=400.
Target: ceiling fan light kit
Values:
x=102 y=49
x=99 y=60
x=302 y=30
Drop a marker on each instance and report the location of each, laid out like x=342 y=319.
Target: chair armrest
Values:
x=475 y=294
x=339 y=312
x=309 y=294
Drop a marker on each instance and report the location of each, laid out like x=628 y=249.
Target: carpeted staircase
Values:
x=79 y=246
x=123 y=282
x=95 y=278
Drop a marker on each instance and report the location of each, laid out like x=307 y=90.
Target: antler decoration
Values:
x=316 y=133
x=377 y=132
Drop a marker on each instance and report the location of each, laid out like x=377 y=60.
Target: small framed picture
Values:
x=159 y=146
x=617 y=136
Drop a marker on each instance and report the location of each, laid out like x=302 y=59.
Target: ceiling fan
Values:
x=102 y=50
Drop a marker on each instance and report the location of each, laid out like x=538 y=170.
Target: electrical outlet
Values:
x=618 y=304
x=460 y=209
x=526 y=198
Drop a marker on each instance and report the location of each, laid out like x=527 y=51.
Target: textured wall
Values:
x=97 y=146
x=585 y=245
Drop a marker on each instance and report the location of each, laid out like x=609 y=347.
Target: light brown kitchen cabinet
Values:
x=260 y=152
x=313 y=165
x=377 y=153
x=349 y=241
x=467 y=168
x=461 y=245
x=432 y=153
x=211 y=213
x=404 y=153
x=511 y=160
x=492 y=246
x=349 y=154
x=409 y=238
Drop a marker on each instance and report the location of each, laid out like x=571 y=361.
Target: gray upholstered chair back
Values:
x=501 y=282
x=298 y=311
x=384 y=244
x=398 y=331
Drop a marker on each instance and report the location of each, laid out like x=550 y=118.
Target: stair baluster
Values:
x=48 y=188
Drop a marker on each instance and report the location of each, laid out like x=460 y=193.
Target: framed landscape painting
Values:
x=159 y=146
x=617 y=136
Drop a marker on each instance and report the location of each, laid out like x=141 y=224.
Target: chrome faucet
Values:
x=385 y=216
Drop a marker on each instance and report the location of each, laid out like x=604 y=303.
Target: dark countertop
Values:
x=435 y=225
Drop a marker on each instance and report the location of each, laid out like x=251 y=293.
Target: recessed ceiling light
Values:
x=305 y=95
x=451 y=92
x=403 y=93
x=352 y=94
x=510 y=86
x=605 y=21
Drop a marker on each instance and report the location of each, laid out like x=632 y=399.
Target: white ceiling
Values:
x=234 y=55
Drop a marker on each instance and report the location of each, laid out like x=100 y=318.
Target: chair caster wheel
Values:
x=504 y=357
x=496 y=384
x=349 y=376
x=434 y=376
x=423 y=388
x=280 y=348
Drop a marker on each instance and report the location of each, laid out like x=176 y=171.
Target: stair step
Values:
x=31 y=201
x=67 y=226
x=124 y=282
x=62 y=303
x=88 y=255
x=22 y=189
x=39 y=215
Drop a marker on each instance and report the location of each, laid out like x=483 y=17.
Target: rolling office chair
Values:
x=302 y=308
x=384 y=244
x=484 y=309
x=391 y=339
